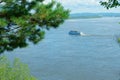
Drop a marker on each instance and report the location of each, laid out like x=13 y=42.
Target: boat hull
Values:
x=74 y=33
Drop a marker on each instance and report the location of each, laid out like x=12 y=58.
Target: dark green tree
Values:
x=111 y=3
x=24 y=21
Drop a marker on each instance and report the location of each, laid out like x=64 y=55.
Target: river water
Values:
x=61 y=56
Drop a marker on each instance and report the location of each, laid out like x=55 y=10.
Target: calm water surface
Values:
x=63 y=57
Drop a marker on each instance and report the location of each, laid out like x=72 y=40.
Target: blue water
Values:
x=61 y=56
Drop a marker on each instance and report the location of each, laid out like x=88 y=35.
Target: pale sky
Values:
x=81 y=6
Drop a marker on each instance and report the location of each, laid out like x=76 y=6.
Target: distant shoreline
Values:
x=83 y=17
x=92 y=15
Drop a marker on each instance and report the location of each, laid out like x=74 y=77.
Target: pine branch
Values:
x=1 y=1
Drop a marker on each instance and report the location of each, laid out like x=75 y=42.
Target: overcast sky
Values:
x=80 y=6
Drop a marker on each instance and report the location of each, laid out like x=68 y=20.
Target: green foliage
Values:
x=118 y=40
x=3 y=22
x=15 y=71
x=23 y=21
x=110 y=3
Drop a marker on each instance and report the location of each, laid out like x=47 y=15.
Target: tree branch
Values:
x=1 y=1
